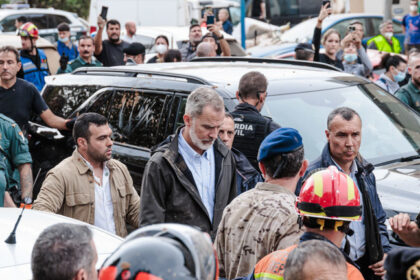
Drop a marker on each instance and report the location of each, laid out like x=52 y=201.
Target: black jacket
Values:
x=169 y=193
x=246 y=175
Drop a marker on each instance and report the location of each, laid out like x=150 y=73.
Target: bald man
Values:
x=410 y=93
x=130 y=32
x=206 y=49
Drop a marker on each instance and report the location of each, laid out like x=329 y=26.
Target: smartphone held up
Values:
x=325 y=2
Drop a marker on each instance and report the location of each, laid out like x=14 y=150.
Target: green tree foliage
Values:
x=81 y=7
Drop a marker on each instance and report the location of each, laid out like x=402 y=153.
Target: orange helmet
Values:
x=29 y=30
x=330 y=194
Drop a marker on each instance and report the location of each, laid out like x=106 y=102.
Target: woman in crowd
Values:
x=330 y=41
x=395 y=68
x=161 y=46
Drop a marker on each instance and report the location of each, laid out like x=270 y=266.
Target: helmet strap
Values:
x=321 y=223
x=300 y=221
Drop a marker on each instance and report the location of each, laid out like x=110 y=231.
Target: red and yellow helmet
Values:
x=330 y=194
x=29 y=30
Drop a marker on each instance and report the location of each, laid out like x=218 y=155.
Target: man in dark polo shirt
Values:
x=19 y=98
x=110 y=51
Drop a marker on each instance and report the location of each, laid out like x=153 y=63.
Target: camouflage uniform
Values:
x=14 y=151
x=254 y=224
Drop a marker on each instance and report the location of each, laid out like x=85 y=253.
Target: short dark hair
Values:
x=163 y=37
x=112 y=22
x=81 y=126
x=303 y=55
x=284 y=165
x=63 y=27
x=171 y=54
x=345 y=112
x=194 y=25
x=252 y=84
x=228 y=115
x=61 y=250
x=22 y=19
x=389 y=60
x=11 y=49
x=86 y=37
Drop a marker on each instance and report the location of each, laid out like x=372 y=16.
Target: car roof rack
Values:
x=134 y=72
x=266 y=60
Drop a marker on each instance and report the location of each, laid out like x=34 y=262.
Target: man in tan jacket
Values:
x=89 y=185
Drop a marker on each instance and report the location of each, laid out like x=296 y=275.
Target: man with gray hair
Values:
x=190 y=177
x=315 y=257
x=206 y=49
x=386 y=41
x=64 y=252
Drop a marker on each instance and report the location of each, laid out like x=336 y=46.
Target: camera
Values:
x=352 y=28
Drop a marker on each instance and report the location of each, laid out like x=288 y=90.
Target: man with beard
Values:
x=370 y=239
x=85 y=58
x=109 y=52
x=410 y=93
x=89 y=185
x=190 y=177
x=188 y=50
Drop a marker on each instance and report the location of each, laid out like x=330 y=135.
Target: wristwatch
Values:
x=27 y=200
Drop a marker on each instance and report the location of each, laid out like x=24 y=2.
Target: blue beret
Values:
x=281 y=140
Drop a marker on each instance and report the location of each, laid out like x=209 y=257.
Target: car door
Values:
x=138 y=119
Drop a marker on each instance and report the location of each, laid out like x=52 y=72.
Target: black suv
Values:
x=145 y=103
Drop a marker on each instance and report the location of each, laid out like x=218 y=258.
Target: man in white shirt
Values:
x=89 y=185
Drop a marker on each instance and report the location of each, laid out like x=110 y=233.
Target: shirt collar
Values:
x=190 y=151
x=353 y=167
x=412 y=87
x=89 y=165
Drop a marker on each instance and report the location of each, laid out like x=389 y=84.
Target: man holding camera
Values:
x=110 y=51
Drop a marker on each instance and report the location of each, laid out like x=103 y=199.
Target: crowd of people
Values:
x=237 y=182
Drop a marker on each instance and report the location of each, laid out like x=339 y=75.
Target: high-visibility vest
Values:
x=383 y=45
x=33 y=74
x=271 y=267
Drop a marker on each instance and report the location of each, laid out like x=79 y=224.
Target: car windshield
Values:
x=390 y=130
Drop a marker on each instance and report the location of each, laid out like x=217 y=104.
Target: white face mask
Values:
x=413 y=8
x=388 y=35
x=161 y=48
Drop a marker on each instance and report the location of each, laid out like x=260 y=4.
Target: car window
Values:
x=63 y=100
x=8 y=23
x=381 y=114
x=40 y=20
x=138 y=117
x=377 y=21
x=235 y=15
x=179 y=108
x=57 y=19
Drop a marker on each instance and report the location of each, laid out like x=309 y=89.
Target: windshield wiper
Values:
x=410 y=158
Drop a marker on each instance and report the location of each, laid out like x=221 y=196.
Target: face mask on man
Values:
x=350 y=57
x=161 y=48
x=63 y=40
x=388 y=35
x=413 y=8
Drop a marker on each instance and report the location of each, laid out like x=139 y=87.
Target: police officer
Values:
x=250 y=126
x=34 y=61
x=15 y=161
